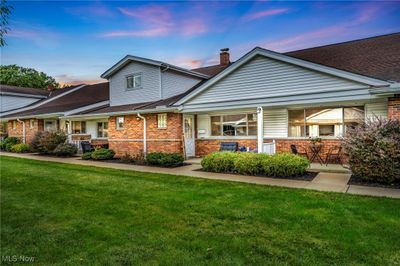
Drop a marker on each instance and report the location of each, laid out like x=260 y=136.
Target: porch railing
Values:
x=269 y=147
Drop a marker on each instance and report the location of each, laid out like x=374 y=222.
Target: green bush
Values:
x=284 y=164
x=8 y=142
x=65 y=150
x=103 y=154
x=35 y=141
x=164 y=159
x=373 y=150
x=20 y=148
x=220 y=162
x=87 y=156
x=48 y=141
x=279 y=165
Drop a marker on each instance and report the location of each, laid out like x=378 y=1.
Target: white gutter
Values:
x=23 y=95
x=23 y=130
x=393 y=88
x=144 y=133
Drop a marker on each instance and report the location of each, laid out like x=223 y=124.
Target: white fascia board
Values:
x=51 y=115
x=128 y=58
x=23 y=95
x=87 y=107
x=43 y=102
x=392 y=89
x=288 y=59
x=142 y=111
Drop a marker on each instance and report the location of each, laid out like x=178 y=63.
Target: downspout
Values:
x=144 y=134
x=23 y=130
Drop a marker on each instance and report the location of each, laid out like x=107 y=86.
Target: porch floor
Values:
x=314 y=167
x=333 y=182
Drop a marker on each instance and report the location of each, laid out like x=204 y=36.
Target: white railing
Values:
x=77 y=143
x=269 y=147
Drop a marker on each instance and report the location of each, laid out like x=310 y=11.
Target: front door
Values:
x=188 y=123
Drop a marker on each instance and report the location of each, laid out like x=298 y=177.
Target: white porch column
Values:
x=260 y=129
x=68 y=124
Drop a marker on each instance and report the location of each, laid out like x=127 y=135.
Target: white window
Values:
x=119 y=122
x=14 y=124
x=134 y=81
x=78 y=127
x=162 y=120
x=32 y=123
x=102 y=129
x=50 y=125
x=234 y=125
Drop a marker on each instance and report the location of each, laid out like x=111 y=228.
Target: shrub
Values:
x=35 y=141
x=220 y=162
x=164 y=159
x=103 y=154
x=48 y=141
x=284 y=164
x=280 y=165
x=87 y=156
x=65 y=150
x=373 y=149
x=20 y=148
x=8 y=142
x=127 y=158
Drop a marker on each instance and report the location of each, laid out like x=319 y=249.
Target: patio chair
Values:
x=334 y=155
x=86 y=146
x=228 y=146
x=294 y=149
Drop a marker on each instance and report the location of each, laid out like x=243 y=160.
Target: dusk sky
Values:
x=76 y=41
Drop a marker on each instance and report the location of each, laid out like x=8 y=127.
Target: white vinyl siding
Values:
x=150 y=85
x=376 y=109
x=275 y=123
x=174 y=83
x=268 y=82
x=13 y=102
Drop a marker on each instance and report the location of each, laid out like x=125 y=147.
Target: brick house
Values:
x=264 y=97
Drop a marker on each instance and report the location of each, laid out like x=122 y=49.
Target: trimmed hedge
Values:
x=65 y=150
x=20 y=148
x=87 y=156
x=277 y=165
x=103 y=154
x=164 y=159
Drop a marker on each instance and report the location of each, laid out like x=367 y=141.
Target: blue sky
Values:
x=76 y=41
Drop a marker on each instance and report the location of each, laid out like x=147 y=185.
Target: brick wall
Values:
x=130 y=139
x=394 y=107
x=206 y=146
x=29 y=132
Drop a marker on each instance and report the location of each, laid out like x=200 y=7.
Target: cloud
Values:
x=188 y=63
x=96 y=10
x=159 y=21
x=265 y=13
x=39 y=35
x=67 y=80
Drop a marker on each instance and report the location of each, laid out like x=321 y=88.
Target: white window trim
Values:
x=82 y=133
x=133 y=75
x=14 y=124
x=117 y=124
x=221 y=126
x=31 y=123
x=162 y=124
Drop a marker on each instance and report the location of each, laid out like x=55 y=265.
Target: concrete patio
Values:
x=324 y=181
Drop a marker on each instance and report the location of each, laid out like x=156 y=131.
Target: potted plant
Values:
x=315 y=140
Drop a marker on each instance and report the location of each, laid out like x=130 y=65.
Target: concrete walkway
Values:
x=333 y=182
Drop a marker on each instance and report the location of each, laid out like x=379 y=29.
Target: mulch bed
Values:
x=309 y=176
x=360 y=182
x=138 y=163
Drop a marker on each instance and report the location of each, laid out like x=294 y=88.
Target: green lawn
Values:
x=69 y=214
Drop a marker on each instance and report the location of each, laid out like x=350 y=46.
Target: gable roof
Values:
x=82 y=97
x=129 y=58
x=377 y=57
x=211 y=70
x=23 y=91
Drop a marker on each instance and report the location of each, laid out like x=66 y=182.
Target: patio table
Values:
x=315 y=153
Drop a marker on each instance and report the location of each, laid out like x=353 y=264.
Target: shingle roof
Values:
x=23 y=90
x=377 y=57
x=84 y=96
x=210 y=70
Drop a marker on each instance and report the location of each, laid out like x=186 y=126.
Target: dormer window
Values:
x=134 y=81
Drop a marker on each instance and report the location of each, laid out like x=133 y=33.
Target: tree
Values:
x=26 y=77
x=5 y=12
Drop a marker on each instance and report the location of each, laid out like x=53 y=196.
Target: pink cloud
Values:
x=67 y=80
x=186 y=62
x=156 y=32
x=265 y=13
x=154 y=14
x=38 y=35
x=193 y=27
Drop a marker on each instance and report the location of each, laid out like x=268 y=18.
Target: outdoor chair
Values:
x=294 y=149
x=86 y=146
x=228 y=146
x=334 y=155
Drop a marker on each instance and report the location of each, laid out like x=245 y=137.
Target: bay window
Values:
x=78 y=127
x=234 y=125
x=323 y=122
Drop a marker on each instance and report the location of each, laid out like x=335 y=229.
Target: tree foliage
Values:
x=25 y=77
x=5 y=12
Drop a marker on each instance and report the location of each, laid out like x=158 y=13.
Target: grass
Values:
x=69 y=214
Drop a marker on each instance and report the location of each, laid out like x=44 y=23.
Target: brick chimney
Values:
x=224 y=57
